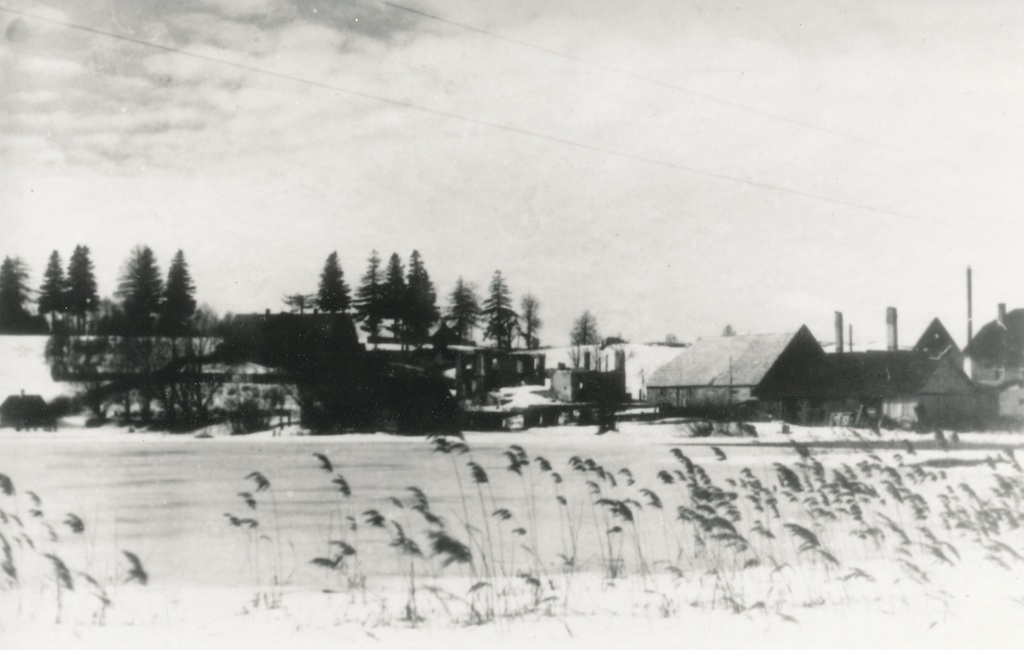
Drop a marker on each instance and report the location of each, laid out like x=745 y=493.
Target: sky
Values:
x=670 y=166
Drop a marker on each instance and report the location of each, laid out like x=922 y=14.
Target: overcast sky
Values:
x=671 y=166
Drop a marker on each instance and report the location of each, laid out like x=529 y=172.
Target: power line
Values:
x=665 y=84
x=478 y=122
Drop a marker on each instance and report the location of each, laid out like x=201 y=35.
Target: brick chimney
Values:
x=839 y=332
x=891 y=330
x=1001 y=318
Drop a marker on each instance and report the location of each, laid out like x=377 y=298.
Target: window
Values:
x=997 y=374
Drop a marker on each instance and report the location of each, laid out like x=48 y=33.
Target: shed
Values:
x=26 y=412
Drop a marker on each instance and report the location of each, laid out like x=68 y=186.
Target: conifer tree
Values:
x=333 y=294
x=53 y=292
x=370 y=296
x=140 y=291
x=501 y=319
x=395 y=299
x=463 y=308
x=179 y=304
x=14 y=294
x=421 y=309
x=529 y=306
x=82 y=294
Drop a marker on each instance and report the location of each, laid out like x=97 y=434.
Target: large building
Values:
x=777 y=375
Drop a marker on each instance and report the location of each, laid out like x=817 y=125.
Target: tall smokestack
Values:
x=970 y=309
x=839 y=331
x=850 y=342
x=1002 y=314
x=891 y=330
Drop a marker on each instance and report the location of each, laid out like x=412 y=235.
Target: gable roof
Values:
x=724 y=361
x=1001 y=344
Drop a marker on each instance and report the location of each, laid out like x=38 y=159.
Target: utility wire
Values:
x=665 y=84
x=484 y=123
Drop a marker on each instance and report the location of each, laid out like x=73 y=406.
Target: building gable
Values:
x=936 y=341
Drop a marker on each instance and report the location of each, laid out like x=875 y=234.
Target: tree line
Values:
x=68 y=301
x=396 y=299
x=401 y=300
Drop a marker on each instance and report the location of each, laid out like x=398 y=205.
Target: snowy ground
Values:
x=165 y=498
x=170 y=501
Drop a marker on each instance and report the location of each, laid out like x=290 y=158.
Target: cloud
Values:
x=270 y=174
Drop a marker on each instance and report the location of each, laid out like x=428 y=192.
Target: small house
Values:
x=996 y=353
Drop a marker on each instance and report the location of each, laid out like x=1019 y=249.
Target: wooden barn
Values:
x=761 y=375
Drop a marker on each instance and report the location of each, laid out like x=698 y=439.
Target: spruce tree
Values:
x=529 y=306
x=395 y=300
x=421 y=312
x=53 y=293
x=179 y=304
x=369 y=297
x=140 y=291
x=463 y=308
x=14 y=294
x=501 y=319
x=333 y=295
x=81 y=291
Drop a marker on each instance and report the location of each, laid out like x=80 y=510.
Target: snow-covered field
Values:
x=170 y=499
x=552 y=537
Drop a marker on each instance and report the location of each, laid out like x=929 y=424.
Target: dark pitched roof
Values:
x=936 y=341
x=892 y=374
x=1000 y=344
x=721 y=360
x=23 y=404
